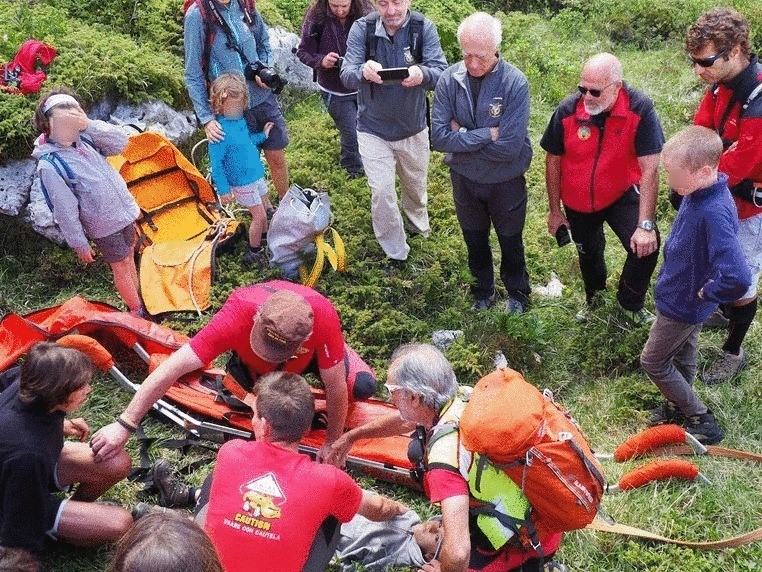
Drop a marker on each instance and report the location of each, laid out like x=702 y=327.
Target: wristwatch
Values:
x=647 y=225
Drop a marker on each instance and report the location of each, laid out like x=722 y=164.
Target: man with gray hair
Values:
x=480 y=120
x=423 y=387
x=391 y=117
x=602 y=163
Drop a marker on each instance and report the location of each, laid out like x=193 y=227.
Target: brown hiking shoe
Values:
x=172 y=492
x=725 y=368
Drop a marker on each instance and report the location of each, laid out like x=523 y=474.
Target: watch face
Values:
x=647 y=225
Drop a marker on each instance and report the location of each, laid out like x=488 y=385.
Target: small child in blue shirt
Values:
x=704 y=266
x=236 y=165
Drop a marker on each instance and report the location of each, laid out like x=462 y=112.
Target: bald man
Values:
x=480 y=119
x=603 y=146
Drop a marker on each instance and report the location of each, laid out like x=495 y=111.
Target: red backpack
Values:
x=539 y=446
x=248 y=7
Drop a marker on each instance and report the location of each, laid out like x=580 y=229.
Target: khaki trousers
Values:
x=409 y=159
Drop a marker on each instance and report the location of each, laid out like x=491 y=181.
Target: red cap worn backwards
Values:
x=283 y=323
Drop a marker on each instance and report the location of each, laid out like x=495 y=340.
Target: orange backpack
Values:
x=539 y=446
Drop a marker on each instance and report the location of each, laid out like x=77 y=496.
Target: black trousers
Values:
x=504 y=206
x=587 y=232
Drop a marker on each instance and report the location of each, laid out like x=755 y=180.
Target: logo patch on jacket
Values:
x=496 y=107
x=583 y=133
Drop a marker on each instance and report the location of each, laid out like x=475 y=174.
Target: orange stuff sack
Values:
x=539 y=446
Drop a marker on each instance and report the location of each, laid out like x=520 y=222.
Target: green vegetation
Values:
x=592 y=369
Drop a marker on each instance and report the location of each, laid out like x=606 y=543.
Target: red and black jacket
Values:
x=599 y=154
x=722 y=110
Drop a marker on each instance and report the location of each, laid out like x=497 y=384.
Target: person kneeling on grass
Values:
x=89 y=199
x=35 y=460
x=266 y=506
x=704 y=266
x=236 y=165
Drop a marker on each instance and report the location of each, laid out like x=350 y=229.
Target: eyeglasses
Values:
x=594 y=92
x=391 y=388
x=708 y=62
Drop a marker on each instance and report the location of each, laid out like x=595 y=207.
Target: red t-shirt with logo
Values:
x=267 y=504
x=230 y=329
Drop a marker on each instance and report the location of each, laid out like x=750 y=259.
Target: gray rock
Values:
x=443 y=339
x=39 y=216
x=157 y=116
x=15 y=180
x=299 y=76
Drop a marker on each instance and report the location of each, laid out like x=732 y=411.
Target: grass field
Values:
x=593 y=369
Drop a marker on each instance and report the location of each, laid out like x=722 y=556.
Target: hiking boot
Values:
x=638 y=318
x=725 y=368
x=716 y=321
x=515 y=306
x=172 y=492
x=257 y=259
x=666 y=414
x=704 y=428
x=484 y=303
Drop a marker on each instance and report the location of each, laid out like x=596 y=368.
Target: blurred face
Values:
x=76 y=399
x=683 y=180
x=600 y=92
x=234 y=103
x=428 y=535
x=393 y=13
x=711 y=68
x=67 y=120
x=340 y=8
x=479 y=53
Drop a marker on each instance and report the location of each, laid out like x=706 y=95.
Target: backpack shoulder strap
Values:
x=415 y=35
x=371 y=40
x=64 y=171
x=756 y=92
x=209 y=32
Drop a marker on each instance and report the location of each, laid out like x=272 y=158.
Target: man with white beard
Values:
x=603 y=146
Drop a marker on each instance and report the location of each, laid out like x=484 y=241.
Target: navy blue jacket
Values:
x=504 y=103
x=702 y=251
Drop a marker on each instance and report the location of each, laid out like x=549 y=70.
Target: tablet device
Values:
x=393 y=74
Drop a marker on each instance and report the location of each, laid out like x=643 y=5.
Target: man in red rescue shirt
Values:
x=718 y=45
x=272 y=509
x=270 y=326
x=602 y=163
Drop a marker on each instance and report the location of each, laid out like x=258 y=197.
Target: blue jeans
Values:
x=343 y=111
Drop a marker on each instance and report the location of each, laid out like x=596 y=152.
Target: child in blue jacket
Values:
x=704 y=266
x=236 y=165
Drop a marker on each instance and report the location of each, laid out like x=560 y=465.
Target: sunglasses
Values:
x=708 y=62
x=594 y=92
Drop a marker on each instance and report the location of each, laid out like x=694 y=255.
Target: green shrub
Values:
x=447 y=15
x=644 y=23
x=91 y=60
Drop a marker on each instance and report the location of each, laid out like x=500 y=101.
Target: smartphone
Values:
x=393 y=74
x=562 y=236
